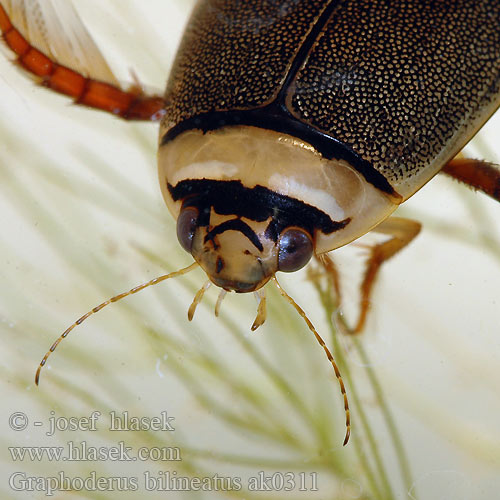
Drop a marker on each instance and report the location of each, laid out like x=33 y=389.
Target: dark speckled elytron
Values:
x=387 y=85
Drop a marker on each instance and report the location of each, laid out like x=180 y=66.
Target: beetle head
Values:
x=240 y=254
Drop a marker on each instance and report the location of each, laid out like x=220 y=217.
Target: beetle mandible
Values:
x=291 y=128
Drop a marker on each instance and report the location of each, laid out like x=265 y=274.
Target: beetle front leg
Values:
x=402 y=232
x=477 y=174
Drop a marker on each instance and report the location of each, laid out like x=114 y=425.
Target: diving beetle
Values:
x=291 y=128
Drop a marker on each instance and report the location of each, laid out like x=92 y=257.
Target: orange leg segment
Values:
x=130 y=105
x=477 y=174
x=402 y=232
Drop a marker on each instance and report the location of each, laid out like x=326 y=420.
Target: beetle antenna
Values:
x=260 y=295
x=197 y=299
x=327 y=352
x=220 y=298
x=116 y=298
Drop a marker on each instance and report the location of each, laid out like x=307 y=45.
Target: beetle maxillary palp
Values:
x=220 y=298
x=198 y=298
x=260 y=295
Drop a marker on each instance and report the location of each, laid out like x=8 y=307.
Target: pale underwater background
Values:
x=82 y=219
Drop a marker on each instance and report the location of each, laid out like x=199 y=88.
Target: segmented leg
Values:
x=130 y=105
x=477 y=174
x=326 y=260
x=402 y=231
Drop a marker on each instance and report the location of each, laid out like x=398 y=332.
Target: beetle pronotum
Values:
x=292 y=128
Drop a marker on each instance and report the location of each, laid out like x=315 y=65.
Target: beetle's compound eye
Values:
x=186 y=226
x=295 y=250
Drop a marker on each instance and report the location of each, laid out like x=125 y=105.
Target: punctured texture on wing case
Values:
x=235 y=54
x=393 y=80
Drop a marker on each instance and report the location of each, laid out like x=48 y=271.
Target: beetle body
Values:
x=295 y=127
x=292 y=128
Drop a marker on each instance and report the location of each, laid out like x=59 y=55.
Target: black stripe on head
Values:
x=235 y=225
x=257 y=204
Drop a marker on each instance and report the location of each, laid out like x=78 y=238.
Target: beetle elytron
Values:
x=290 y=128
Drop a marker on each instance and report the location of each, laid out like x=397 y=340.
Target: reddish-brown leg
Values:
x=402 y=231
x=477 y=174
x=130 y=105
x=328 y=263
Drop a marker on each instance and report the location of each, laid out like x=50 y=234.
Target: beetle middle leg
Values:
x=402 y=232
x=477 y=174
